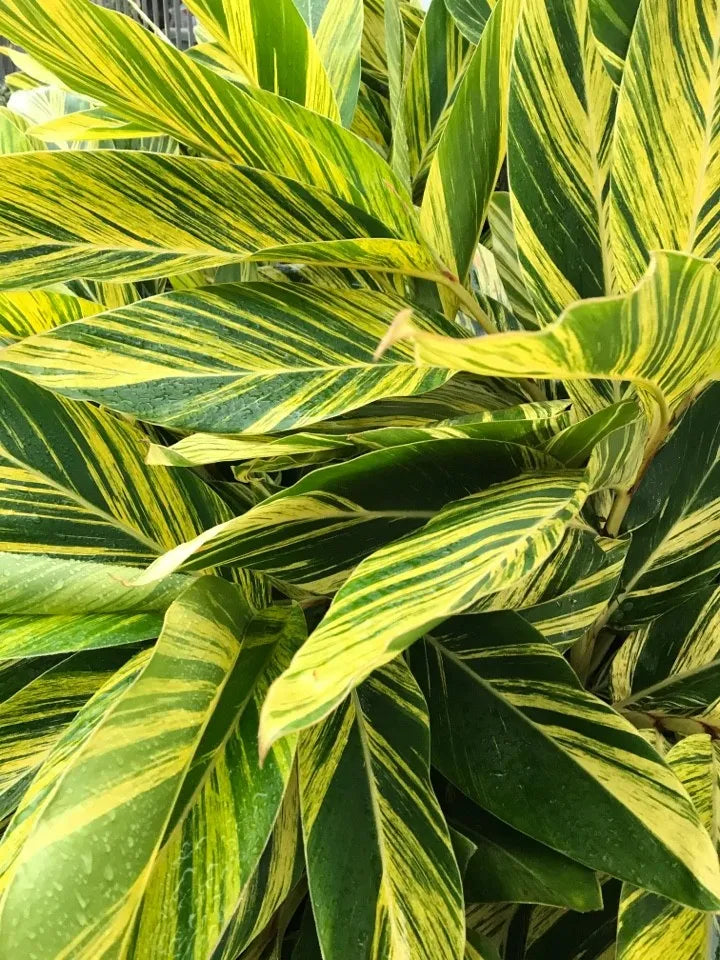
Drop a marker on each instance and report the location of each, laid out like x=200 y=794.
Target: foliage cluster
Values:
x=360 y=482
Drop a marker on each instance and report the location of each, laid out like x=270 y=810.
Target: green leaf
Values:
x=382 y=874
x=505 y=252
x=471 y=16
x=273 y=47
x=253 y=357
x=33 y=714
x=511 y=867
x=510 y=722
x=683 y=639
x=36 y=636
x=457 y=194
x=13 y=134
x=314 y=532
x=135 y=785
x=673 y=518
x=672 y=201
x=438 y=64
x=471 y=549
x=664 y=337
x=651 y=927
x=25 y=312
x=130 y=232
x=566 y=935
x=217 y=808
x=478 y=947
x=560 y=127
x=59 y=465
x=612 y=22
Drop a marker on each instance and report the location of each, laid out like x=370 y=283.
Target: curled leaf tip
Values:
x=400 y=329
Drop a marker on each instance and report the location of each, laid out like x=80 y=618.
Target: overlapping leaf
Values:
x=546 y=729
x=669 y=202
x=673 y=518
x=457 y=195
x=508 y=866
x=25 y=312
x=470 y=549
x=664 y=337
x=62 y=495
x=559 y=156
x=273 y=47
x=249 y=358
x=383 y=879
x=130 y=231
x=314 y=532
x=612 y=22
x=186 y=901
x=651 y=927
x=146 y=792
x=43 y=635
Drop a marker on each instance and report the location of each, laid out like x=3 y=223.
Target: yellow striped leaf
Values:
x=313 y=533
x=124 y=66
x=273 y=48
x=33 y=583
x=437 y=66
x=651 y=927
x=252 y=357
x=36 y=636
x=471 y=16
x=529 y=424
x=71 y=740
x=548 y=730
x=136 y=785
x=337 y=27
x=367 y=800
x=612 y=23
x=276 y=878
x=227 y=214
x=187 y=906
x=73 y=485
x=673 y=201
x=472 y=548
x=674 y=519
x=560 y=127
x=505 y=253
x=25 y=312
x=45 y=694
x=14 y=137
x=680 y=641
x=664 y=337
x=457 y=195
x=566 y=595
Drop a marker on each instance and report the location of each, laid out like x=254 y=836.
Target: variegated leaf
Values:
x=44 y=635
x=547 y=730
x=133 y=777
x=471 y=549
x=253 y=358
x=664 y=337
x=457 y=194
x=672 y=201
x=383 y=879
x=314 y=532
x=674 y=518
x=651 y=927
x=273 y=48
x=25 y=312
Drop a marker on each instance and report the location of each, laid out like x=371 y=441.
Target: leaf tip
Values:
x=400 y=329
